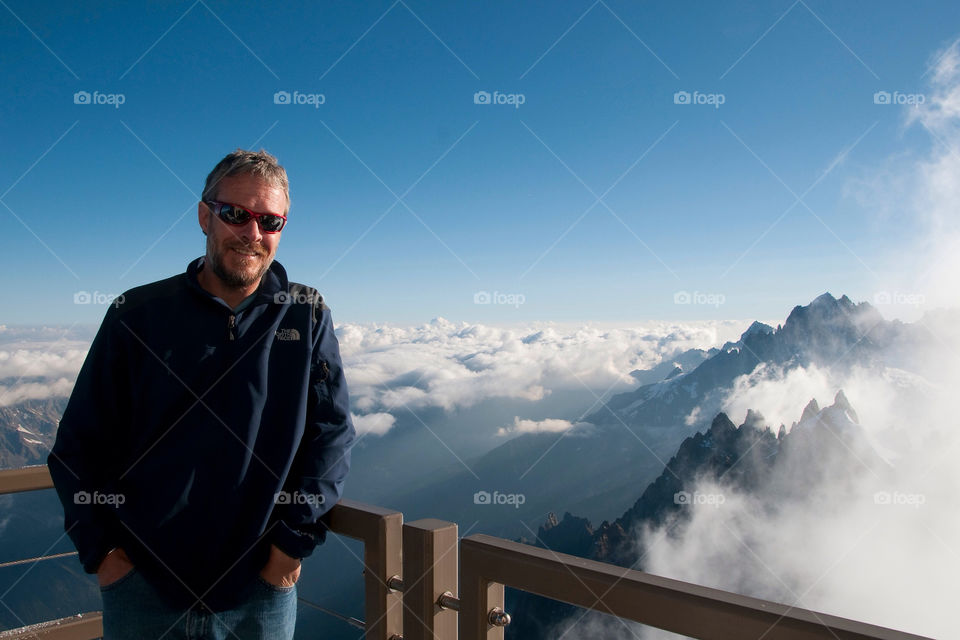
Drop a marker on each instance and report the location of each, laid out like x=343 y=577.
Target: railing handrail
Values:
x=31 y=478
x=75 y=627
x=681 y=607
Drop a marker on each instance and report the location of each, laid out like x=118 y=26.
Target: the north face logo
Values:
x=286 y=335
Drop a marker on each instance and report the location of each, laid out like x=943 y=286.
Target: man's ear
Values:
x=203 y=216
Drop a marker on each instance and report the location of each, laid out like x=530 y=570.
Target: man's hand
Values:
x=114 y=566
x=281 y=570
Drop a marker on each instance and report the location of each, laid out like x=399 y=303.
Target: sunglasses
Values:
x=237 y=215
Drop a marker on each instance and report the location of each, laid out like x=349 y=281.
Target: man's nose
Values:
x=250 y=232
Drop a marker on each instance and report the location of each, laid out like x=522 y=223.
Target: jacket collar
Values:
x=273 y=281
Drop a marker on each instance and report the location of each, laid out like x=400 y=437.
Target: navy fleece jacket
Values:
x=197 y=435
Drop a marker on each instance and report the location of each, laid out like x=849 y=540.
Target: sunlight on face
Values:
x=239 y=255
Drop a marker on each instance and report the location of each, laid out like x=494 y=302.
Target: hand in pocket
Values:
x=113 y=567
x=281 y=570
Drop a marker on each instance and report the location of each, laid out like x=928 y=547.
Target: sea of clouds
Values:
x=440 y=364
x=453 y=366
x=40 y=362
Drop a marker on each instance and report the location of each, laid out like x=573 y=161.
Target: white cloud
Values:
x=41 y=360
x=550 y=425
x=375 y=423
x=13 y=394
x=921 y=193
x=835 y=549
x=34 y=365
x=912 y=196
x=777 y=394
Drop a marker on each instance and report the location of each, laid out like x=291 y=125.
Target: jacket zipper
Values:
x=231 y=325
x=324 y=371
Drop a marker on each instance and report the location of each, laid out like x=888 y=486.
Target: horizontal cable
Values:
x=359 y=624
x=13 y=563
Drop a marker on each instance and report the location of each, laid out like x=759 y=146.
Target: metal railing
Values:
x=379 y=529
x=84 y=626
x=412 y=572
x=487 y=563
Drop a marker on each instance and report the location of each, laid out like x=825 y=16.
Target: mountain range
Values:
x=27 y=431
x=597 y=469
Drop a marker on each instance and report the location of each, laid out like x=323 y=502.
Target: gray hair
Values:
x=257 y=163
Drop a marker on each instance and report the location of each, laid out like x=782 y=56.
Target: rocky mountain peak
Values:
x=757 y=328
x=721 y=425
x=754 y=419
x=810 y=411
x=840 y=401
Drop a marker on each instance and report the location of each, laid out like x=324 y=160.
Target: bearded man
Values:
x=208 y=431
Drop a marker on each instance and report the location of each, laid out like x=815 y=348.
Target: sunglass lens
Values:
x=271 y=223
x=233 y=215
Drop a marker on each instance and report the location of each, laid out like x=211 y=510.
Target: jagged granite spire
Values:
x=810 y=411
x=754 y=419
x=840 y=401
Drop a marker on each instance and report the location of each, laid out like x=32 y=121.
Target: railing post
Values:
x=383 y=560
x=381 y=531
x=477 y=597
x=429 y=570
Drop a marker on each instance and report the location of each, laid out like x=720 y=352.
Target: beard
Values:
x=245 y=276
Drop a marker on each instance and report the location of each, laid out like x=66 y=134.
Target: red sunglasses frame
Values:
x=216 y=207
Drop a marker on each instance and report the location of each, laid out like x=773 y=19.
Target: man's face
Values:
x=240 y=254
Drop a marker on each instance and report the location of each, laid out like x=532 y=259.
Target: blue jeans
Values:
x=133 y=610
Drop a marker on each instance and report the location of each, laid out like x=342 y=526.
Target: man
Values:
x=208 y=431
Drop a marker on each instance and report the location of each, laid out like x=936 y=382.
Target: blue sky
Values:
x=597 y=199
